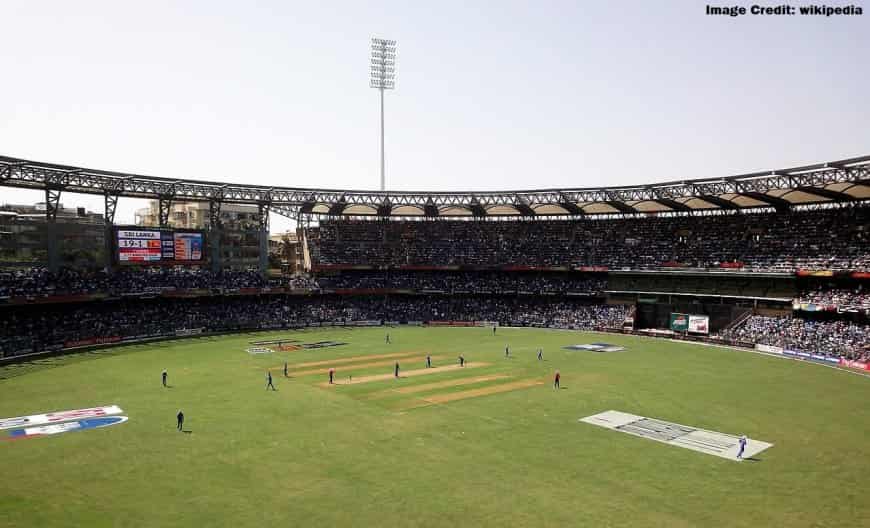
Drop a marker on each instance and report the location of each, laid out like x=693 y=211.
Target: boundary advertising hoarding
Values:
x=699 y=324
x=679 y=322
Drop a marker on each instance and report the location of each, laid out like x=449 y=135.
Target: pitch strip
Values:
x=709 y=442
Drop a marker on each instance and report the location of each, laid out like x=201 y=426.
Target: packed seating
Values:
x=833 y=338
x=837 y=239
x=40 y=282
x=466 y=281
x=856 y=299
x=34 y=329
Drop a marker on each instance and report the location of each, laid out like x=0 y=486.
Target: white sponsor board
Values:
x=709 y=442
x=188 y=332
x=58 y=417
x=770 y=349
x=699 y=324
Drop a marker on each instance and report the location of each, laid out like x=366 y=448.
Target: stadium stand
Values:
x=831 y=338
x=31 y=329
x=767 y=257
x=450 y=281
x=856 y=299
x=41 y=282
x=466 y=271
x=834 y=239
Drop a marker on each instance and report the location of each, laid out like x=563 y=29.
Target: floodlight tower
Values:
x=383 y=77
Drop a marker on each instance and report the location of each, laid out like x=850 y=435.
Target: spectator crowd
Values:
x=855 y=299
x=37 y=328
x=832 y=338
x=465 y=281
x=836 y=239
x=40 y=282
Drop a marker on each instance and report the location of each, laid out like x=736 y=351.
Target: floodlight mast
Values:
x=383 y=77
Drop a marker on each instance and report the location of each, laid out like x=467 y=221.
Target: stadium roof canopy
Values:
x=823 y=183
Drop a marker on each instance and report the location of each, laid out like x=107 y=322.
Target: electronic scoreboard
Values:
x=155 y=246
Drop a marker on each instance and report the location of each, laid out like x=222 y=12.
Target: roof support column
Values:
x=214 y=235
x=111 y=203
x=264 y=238
x=164 y=205
x=52 y=204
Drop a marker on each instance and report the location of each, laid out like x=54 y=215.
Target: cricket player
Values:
x=388 y=338
x=164 y=376
x=540 y=354
x=285 y=369
x=331 y=375
x=556 y=380
x=507 y=351
x=269 y=380
x=428 y=361
x=397 y=369
x=180 y=418
x=742 y=442
x=461 y=361
x=493 y=329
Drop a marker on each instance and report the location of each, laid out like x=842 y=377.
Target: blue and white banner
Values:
x=78 y=425
x=811 y=357
x=58 y=417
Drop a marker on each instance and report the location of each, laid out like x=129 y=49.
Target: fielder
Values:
x=742 y=442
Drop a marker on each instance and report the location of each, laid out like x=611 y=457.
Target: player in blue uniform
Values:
x=742 y=442
x=269 y=381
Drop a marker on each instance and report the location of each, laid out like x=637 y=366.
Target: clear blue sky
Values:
x=493 y=95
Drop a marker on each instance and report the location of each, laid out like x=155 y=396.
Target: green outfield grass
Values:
x=392 y=453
